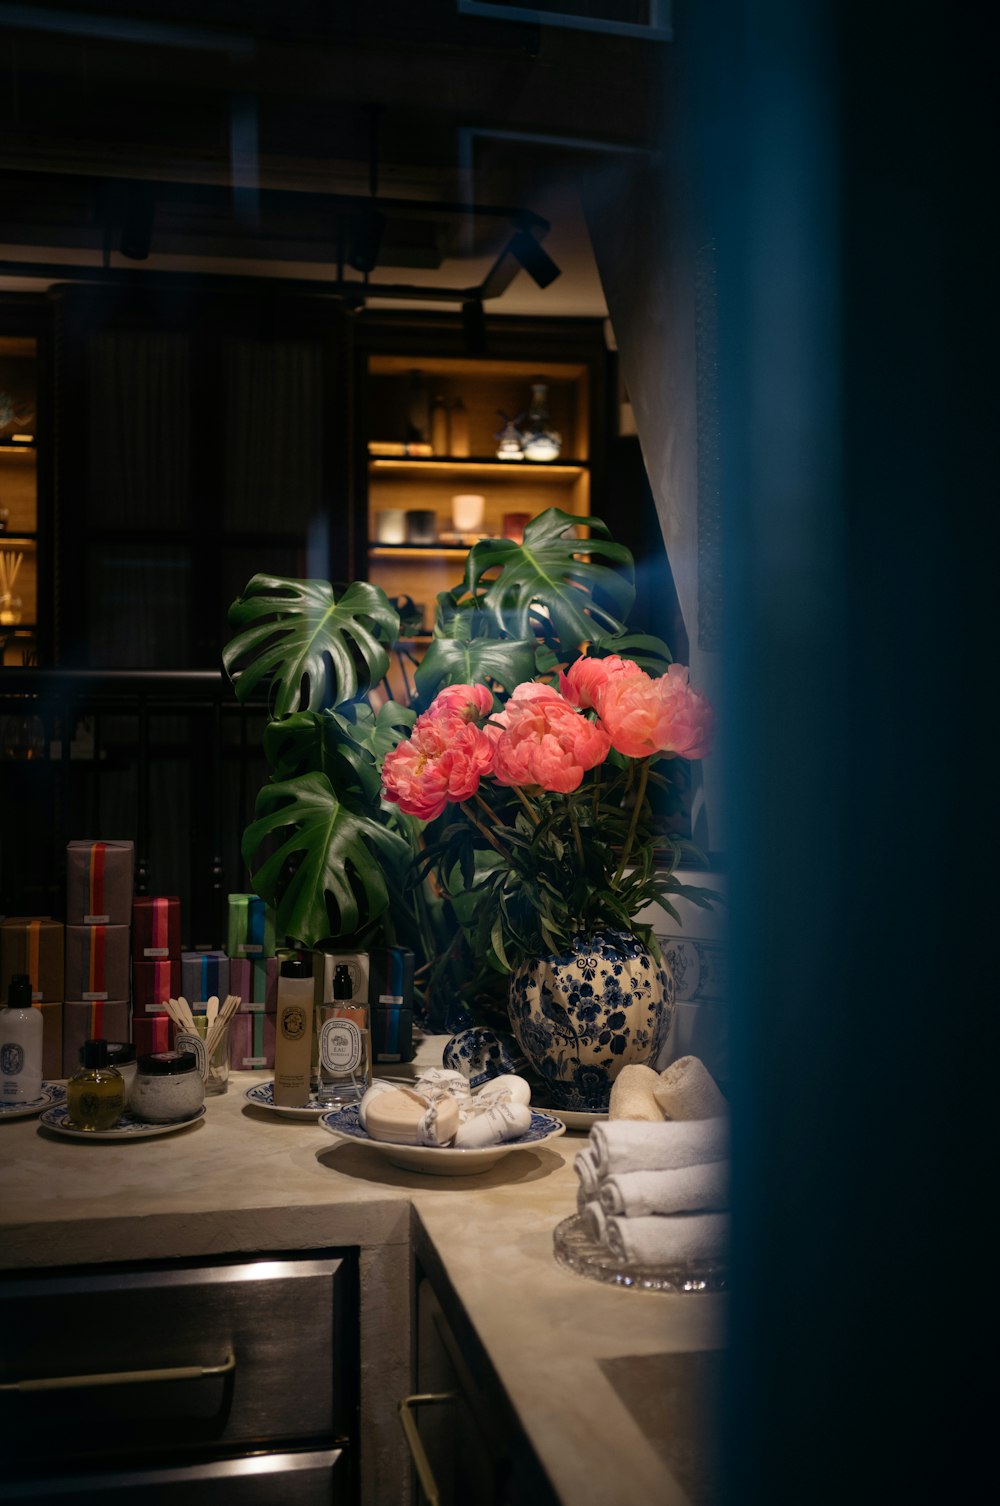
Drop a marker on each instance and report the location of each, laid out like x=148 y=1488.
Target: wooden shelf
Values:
x=496 y=470
x=17 y=536
x=417 y=551
x=18 y=446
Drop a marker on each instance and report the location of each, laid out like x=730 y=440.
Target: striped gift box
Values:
x=99 y=883
x=97 y=962
x=152 y=982
x=255 y=979
x=91 y=1021
x=156 y=927
x=252 y=1042
x=34 y=945
x=204 y=974
x=251 y=927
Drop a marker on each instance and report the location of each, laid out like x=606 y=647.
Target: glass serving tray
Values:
x=575 y=1250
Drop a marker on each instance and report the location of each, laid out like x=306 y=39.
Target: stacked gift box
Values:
x=99 y=879
x=253 y=975
x=34 y=944
x=156 y=969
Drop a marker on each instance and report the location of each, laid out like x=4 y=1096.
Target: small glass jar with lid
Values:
x=168 y=1086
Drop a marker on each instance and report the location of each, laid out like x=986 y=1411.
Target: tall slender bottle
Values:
x=20 y=1044
x=345 y=1049
x=293 y=1033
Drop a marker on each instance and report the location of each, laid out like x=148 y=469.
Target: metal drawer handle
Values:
x=122 y=1377
x=418 y=1453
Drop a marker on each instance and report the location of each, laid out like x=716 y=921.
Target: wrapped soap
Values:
x=402 y=1116
x=506 y=1089
x=497 y=1122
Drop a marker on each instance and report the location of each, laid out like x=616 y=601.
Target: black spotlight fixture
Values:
x=137 y=209
x=474 y=327
x=365 y=240
x=532 y=258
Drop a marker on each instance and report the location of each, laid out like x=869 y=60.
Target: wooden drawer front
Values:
x=276 y=1333
x=307 y=1479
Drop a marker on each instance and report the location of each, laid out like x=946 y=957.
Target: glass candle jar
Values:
x=168 y=1086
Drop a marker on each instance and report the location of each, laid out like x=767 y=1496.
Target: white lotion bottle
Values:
x=20 y=1045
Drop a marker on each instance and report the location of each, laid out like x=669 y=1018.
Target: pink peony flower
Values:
x=583 y=682
x=645 y=716
x=468 y=702
x=442 y=762
x=541 y=739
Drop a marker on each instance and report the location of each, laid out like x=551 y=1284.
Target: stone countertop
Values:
x=568 y=1352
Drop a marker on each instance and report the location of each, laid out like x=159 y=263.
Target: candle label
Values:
x=194 y=1046
x=156 y=951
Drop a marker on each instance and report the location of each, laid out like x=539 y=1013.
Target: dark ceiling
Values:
x=258 y=128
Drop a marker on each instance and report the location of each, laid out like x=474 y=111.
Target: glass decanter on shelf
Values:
x=540 y=442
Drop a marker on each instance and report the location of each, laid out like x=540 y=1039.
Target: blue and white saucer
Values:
x=127 y=1128
x=52 y=1092
x=443 y=1160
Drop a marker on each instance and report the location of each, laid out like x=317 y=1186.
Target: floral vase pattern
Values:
x=582 y=1015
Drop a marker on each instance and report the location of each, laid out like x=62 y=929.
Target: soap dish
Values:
x=575 y=1250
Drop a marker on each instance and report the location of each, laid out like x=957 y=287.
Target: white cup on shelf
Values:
x=390 y=526
x=467 y=511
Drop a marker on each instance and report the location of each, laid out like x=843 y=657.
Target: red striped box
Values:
x=156 y=928
x=99 y=883
x=152 y=1033
x=93 y=1021
x=152 y=982
x=97 y=960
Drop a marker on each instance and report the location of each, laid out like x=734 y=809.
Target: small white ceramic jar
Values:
x=167 y=1087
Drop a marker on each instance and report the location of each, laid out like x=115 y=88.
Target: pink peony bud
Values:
x=468 y=702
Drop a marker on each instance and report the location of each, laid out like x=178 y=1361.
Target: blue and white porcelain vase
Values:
x=581 y=1016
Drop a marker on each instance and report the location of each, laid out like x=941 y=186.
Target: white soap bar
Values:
x=377 y=1088
x=499 y=1122
x=508 y=1089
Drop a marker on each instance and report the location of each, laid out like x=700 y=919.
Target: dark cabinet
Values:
x=233 y=1380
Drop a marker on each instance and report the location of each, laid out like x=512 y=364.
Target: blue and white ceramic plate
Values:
x=127 y=1128
x=444 y=1160
x=261 y=1095
x=52 y=1092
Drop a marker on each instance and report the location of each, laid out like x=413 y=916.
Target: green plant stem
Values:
x=485 y=832
x=526 y=803
x=597 y=795
x=483 y=806
x=637 y=807
x=576 y=830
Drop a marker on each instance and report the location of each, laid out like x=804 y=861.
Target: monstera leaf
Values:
x=309 y=647
x=325 y=878
x=470 y=661
x=347 y=745
x=549 y=581
x=644 y=649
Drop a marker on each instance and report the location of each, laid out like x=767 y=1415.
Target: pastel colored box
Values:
x=52 y=1041
x=156 y=928
x=152 y=1033
x=204 y=974
x=97 y=960
x=252 y=1042
x=251 y=927
x=152 y=982
x=33 y=945
x=255 y=979
x=99 y=881
x=98 y=1020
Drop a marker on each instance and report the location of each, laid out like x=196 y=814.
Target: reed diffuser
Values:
x=10 y=605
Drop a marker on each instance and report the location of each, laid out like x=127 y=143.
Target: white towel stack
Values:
x=657 y=1194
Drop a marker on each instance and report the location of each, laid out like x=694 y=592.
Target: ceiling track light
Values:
x=536 y=262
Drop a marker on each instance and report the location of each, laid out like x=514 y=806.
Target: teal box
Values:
x=251 y=927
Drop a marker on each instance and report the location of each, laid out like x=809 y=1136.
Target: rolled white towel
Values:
x=632 y=1095
x=594 y=1221
x=676 y=1239
x=626 y=1145
x=687 y=1189
x=585 y=1166
x=687 y=1090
